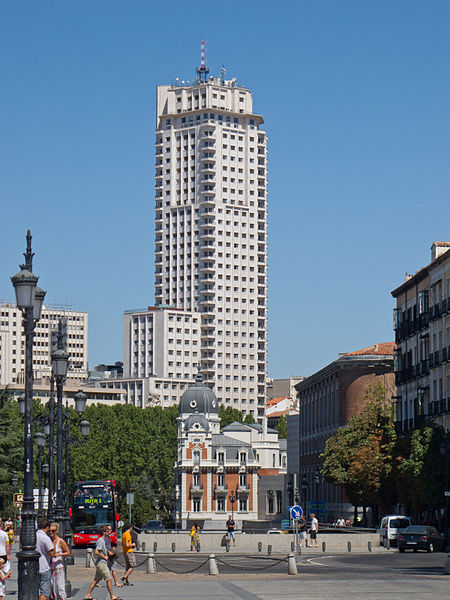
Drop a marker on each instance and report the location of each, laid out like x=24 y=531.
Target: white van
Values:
x=390 y=526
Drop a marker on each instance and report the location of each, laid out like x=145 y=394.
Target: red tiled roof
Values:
x=273 y=401
x=377 y=349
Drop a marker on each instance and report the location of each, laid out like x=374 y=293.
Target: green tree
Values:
x=249 y=419
x=282 y=427
x=229 y=415
x=11 y=449
x=362 y=456
x=422 y=470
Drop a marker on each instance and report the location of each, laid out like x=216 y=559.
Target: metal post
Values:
x=51 y=472
x=67 y=496
x=297 y=544
x=28 y=566
x=40 y=515
x=59 y=514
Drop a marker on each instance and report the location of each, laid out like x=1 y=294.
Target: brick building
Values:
x=219 y=472
x=327 y=399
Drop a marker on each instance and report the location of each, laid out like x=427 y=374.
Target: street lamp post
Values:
x=14 y=483
x=29 y=299
x=45 y=471
x=59 y=362
x=304 y=489
x=51 y=468
x=40 y=442
x=232 y=498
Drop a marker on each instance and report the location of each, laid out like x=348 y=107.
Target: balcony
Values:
x=243 y=489
x=196 y=490
x=221 y=490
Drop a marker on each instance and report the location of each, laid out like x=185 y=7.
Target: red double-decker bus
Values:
x=94 y=504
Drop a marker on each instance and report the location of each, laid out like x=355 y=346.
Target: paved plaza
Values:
x=375 y=576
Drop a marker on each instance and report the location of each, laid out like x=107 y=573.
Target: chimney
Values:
x=438 y=248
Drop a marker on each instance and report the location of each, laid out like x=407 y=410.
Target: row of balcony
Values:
x=219 y=489
x=405 y=327
x=422 y=368
x=435 y=409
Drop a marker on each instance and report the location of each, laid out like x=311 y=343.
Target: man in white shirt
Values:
x=44 y=546
x=5 y=547
x=313 y=530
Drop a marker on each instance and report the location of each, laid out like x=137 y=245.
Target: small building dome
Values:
x=199 y=398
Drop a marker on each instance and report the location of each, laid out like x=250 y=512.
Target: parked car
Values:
x=420 y=537
x=153 y=526
x=390 y=526
x=275 y=531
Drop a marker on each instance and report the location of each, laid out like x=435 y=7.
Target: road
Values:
x=344 y=566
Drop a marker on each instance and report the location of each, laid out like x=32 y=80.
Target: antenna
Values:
x=202 y=70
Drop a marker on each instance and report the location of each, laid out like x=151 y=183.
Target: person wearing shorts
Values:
x=302 y=532
x=127 y=547
x=101 y=571
x=314 y=528
x=44 y=546
x=230 y=525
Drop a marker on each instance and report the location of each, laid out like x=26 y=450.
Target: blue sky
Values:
x=355 y=97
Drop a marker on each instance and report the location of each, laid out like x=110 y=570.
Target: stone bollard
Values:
x=369 y=546
x=213 y=570
x=269 y=549
x=259 y=546
x=324 y=546
x=143 y=546
x=447 y=566
x=151 y=564
x=292 y=564
x=88 y=557
x=155 y=546
x=173 y=546
x=349 y=546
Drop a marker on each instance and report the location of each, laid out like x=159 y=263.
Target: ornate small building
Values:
x=218 y=472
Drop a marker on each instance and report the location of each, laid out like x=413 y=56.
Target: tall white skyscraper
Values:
x=211 y=229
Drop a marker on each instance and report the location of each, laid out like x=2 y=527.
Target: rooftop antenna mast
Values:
x=202 y=70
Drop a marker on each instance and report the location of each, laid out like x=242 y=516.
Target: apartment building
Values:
x=327 y=400
x=211 y=230
x=12 y=343
x=422 y=334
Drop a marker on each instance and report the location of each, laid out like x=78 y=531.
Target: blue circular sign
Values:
x=296 y=512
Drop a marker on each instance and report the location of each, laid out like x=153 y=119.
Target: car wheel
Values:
x=430 y=548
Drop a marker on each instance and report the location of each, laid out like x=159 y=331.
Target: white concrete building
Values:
x=211 y=230
x=12 y=343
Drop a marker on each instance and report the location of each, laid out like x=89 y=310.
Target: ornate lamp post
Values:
x=40 y=442
x=232 y=498
x=45 y=471
x=14 y=483
x=29 y=299
x=304 y=489
x=60 y=359
x=80 y=405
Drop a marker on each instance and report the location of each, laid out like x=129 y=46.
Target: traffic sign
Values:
x=446 y=493
x=296 y=512
x=285 y=524
x=18 y=500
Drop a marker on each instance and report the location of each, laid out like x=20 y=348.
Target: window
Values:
x=196 y=457
x=220 y=479
x=242 y=504
x=196 y=505
x=220 y=504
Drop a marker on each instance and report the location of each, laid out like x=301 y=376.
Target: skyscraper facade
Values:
x=211 y=229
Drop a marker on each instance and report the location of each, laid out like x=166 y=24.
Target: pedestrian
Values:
x=45 y=548
x=194 y=535
x=112 y=550
x=302 y=532
x=5 y=573
x=5 y=546
x=128 y=552
x=231 y=526
x=313 y=530
x=101 y=570
x=61 y=549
